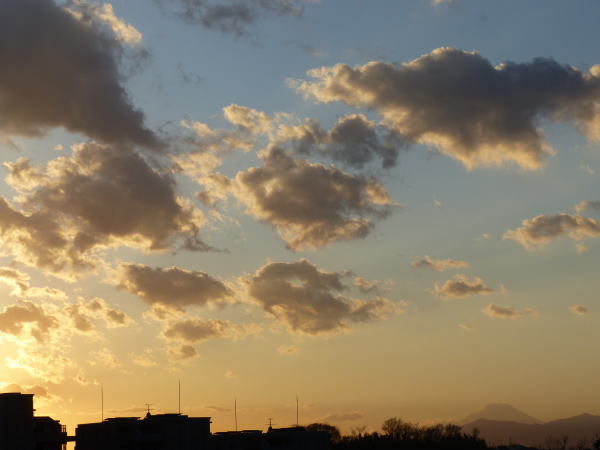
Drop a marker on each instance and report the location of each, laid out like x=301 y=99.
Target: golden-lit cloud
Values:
x=100 y=197
x=81 y=89
x=459 y=103
x=462 y=287
x=309 y=300
x=507 y=312
x=537 y=232
x=439 y=265
x=593 y=206
x=94 y=14
x=194 y=330
x=311 y=205
x=171 y=287
x=27 y=318
x=579 y=310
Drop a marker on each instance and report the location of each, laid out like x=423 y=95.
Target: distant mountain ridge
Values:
x=501 y=411
x=505 y=424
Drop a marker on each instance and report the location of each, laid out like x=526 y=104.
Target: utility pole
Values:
x=235 y=412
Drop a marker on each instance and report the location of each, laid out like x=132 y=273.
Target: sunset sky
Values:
x=384 y=207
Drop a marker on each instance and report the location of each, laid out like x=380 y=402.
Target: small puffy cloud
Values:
x=233 y=17
x=81 y=89
x=25 y=318
x=113 y=318
x=464 y=106
x=287 y=350
x=507 y=312
x=309 y=300
x=579 y=310
x=354 y=141
x=230 y=375
x=537 y=232
x=183 y=352
x=311 y=205
x=144 y=359
x=102 y=196
x=192 y=331
x=172 y=288
x=367 y=286
x=439 y=265
x=587 y=206
x=465 y=326
x=37 y=390
x=251 y=120
x=462 y=287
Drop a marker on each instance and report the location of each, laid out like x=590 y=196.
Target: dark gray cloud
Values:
x=58 y=71
x=462 y=287
x=353 y=141
x=507 y=312
x=183 y=352
x=309 y=300
x=100 y=196
x=439 y=265
x=311 y=205
x=233 y=16
x=172 y=287
x=538 y=231
x=458 y=102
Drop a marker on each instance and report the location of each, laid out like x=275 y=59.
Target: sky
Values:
x=383 y=208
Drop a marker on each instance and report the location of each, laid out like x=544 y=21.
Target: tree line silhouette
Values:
x=399 y=435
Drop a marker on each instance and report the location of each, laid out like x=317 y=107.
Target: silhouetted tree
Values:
x=334 y=432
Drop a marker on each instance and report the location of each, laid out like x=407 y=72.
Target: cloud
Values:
x=105 y=358
x=459 y=103
x=579 y=310
x=311 y=205
x=25 y=318
x=462 y=287
x=102 y=196
x=586 y=168
x=172 y=287
x=287 y=350
x=37 y=390
x=309 y=300
x=236 y=16
x=587 y=206
x=113 y=318
x=193 y=330
x=537 y=232
x=81 y=87
x=439 y=265
x=465 y=326
x=184 y=352
x=353 y=141
x=98 y=15
x=342 y=417
x=506 y=312
x=367 y=286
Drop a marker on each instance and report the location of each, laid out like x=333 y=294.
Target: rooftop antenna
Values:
x=148 y=405
x=270 y=424
x=235 y=412
x=296 y=410
x=102 y=402
x=180 y=397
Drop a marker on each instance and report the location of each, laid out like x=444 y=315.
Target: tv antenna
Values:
x=270 y=423
x=179 y=396
x=148 y=408
x=297 y=411
x=235 y=412
x=102 y=402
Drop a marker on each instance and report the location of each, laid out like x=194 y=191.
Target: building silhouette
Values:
x=21 y=430
x=153 y=432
